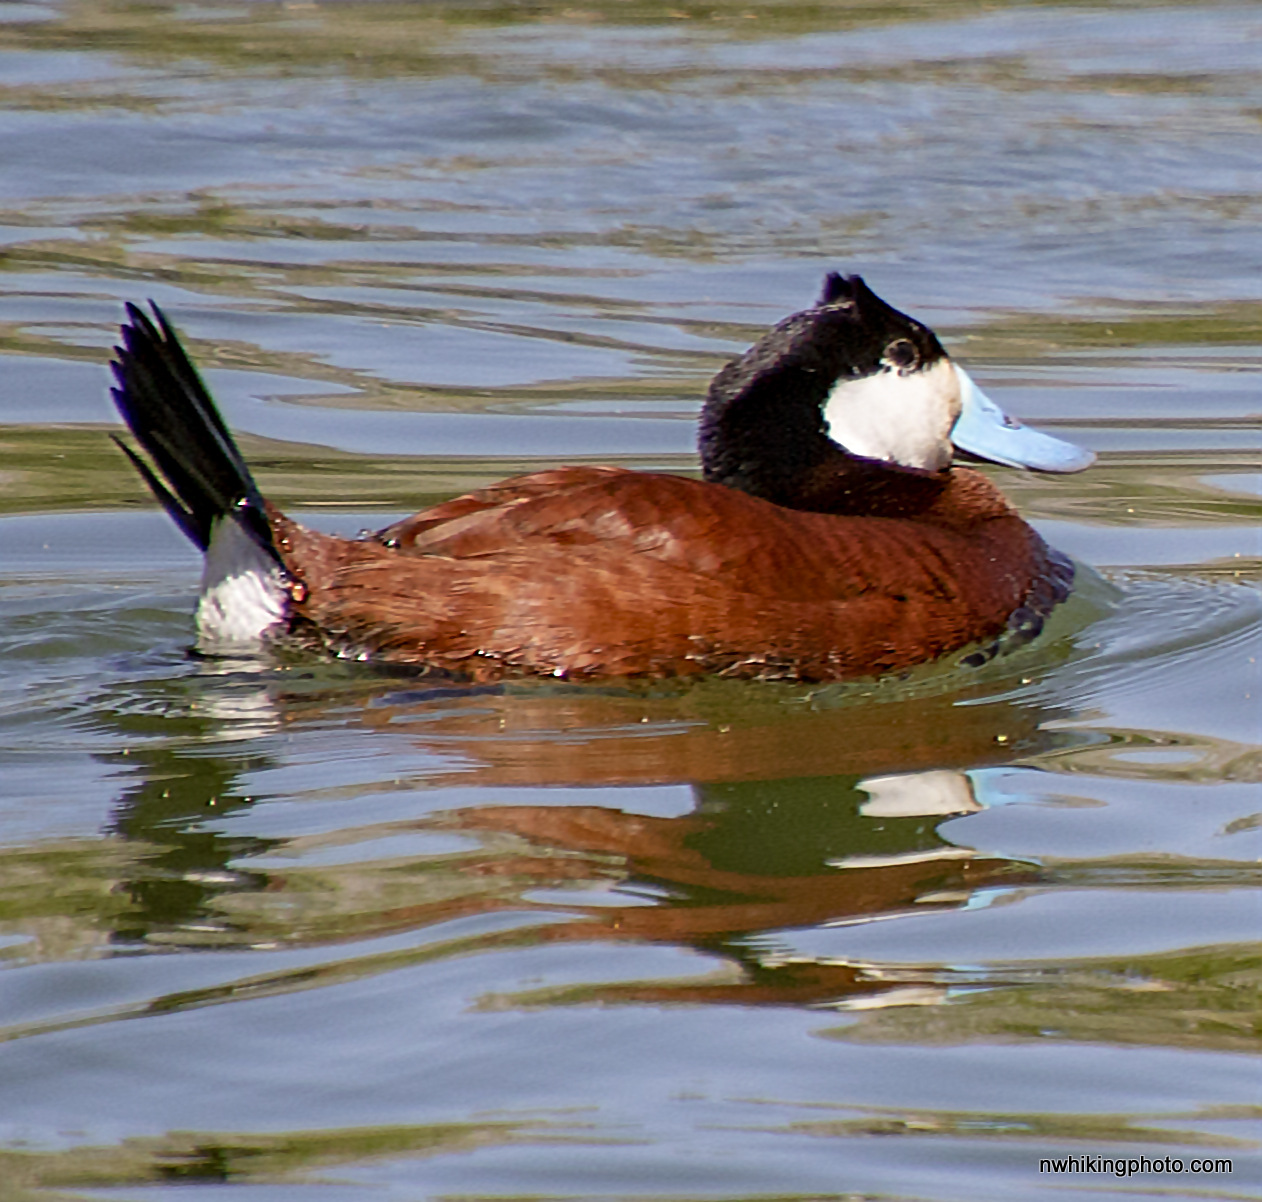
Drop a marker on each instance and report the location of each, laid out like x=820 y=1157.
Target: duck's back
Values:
x=605 y=572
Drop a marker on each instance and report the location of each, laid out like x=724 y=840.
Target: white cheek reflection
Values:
x=918 y=795
x=900 y=418
x=939 y=793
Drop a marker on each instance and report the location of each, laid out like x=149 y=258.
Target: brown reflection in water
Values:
x=793 y=824
x=753 y=858
x=577 y=738
x=803 y=815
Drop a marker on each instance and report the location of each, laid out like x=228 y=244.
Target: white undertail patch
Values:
x=243 y=593
x=898 y=416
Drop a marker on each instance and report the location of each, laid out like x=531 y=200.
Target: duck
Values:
x=835 y=532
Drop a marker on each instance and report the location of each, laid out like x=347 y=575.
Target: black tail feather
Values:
x=182 y=517
x=200 y=474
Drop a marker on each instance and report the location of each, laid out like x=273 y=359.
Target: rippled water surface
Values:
x=308 y=932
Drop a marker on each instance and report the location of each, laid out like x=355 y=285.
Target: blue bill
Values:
x=985 y=430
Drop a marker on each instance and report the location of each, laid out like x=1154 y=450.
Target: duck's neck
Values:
x=869 y=487
x=771 y=442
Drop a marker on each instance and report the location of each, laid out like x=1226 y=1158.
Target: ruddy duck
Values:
x=830 y=538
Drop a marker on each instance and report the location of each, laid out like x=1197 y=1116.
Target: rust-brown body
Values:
x=829 y=539
x=601 y=572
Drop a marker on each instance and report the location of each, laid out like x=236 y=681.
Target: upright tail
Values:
x=171 y=413
x=196 y=471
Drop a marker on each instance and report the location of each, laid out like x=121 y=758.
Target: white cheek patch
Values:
x=243 y=595
x=903 y=418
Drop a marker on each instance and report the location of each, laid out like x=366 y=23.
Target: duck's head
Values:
x=852 y=406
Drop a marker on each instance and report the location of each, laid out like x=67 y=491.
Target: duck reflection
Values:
x=803 y=814
x=756 y=858
x=185 y=865
x=174 y=812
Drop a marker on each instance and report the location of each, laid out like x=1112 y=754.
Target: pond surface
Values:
x=307 y=932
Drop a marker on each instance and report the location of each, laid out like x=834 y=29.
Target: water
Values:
x=308 y=932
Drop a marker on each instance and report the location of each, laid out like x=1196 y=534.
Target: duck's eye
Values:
x=901 y=354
